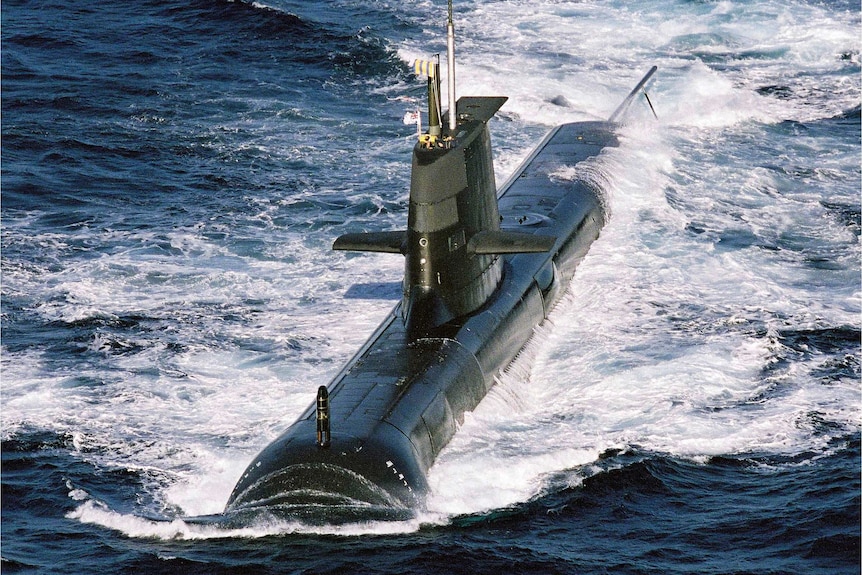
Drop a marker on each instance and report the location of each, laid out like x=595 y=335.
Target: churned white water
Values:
x=668 y=341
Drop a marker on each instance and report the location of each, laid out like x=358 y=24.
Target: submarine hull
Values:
x=400 y=399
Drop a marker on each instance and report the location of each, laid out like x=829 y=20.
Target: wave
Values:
x=682 y=505
x=280 y=34
x=241 y=16
x=166 y=264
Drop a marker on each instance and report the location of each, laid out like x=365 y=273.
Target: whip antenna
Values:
x=450 y=56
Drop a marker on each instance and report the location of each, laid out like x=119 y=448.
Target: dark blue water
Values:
x=174 y=173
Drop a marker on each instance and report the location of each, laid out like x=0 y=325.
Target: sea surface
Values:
x=174 y=174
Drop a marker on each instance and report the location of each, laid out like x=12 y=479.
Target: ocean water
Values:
x=173 y=175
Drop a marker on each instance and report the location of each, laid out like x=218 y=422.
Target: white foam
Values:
x=618 y=369
x=661 y=343
x=96 y=512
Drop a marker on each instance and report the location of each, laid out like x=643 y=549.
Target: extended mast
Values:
x=450 y=61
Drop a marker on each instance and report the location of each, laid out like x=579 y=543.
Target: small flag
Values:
x=425 y=68
x=414 y=117
x=411 y=117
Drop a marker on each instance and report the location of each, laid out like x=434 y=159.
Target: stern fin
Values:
x=624 y=106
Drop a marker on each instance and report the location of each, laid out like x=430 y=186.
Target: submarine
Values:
x=483 y=267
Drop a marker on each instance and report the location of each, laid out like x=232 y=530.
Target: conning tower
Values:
x=453 y=239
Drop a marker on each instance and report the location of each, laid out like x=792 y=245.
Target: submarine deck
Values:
x=400 y=401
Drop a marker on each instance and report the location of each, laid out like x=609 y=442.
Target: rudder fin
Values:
x=624 y=106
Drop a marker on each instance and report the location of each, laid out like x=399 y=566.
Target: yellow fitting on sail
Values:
x=428 y=141
x=425 y=68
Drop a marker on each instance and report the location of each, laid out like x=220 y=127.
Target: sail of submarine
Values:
x=482 y=270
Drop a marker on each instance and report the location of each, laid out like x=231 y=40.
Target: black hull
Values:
x=399 y=401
